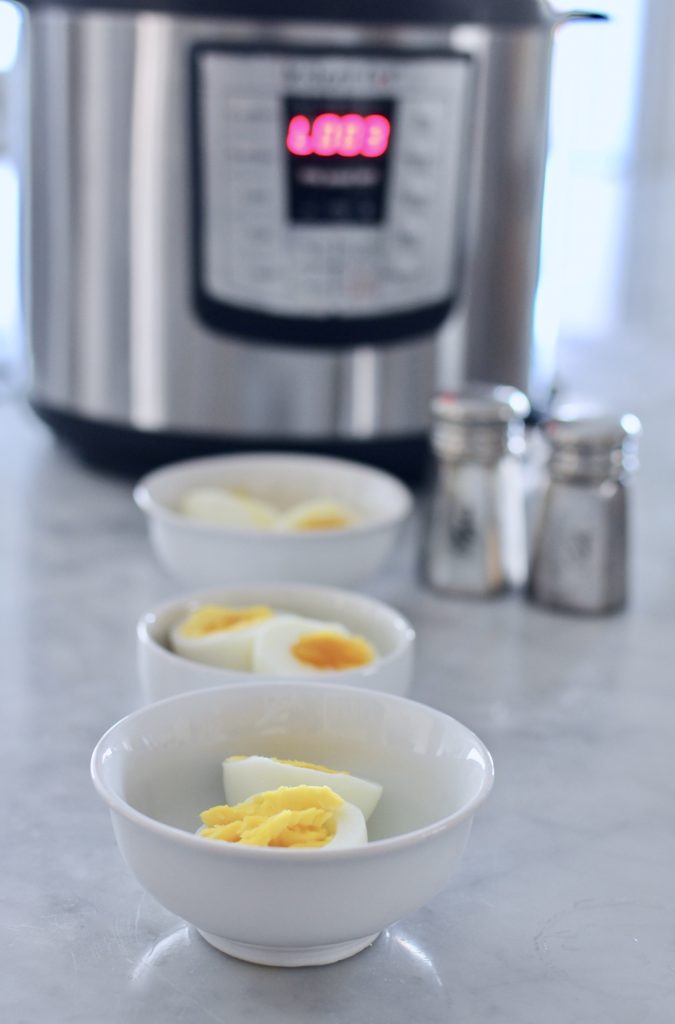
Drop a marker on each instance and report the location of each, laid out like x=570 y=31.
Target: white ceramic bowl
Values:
x=166 y=674
x=196 y=552
x=159 y=767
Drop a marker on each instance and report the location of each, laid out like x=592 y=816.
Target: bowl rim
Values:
x=153 y=508
x=405 y=631
x=377 y=847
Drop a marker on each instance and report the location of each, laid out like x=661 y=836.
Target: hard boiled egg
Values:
x=294 y=645
x=245 y=776
x=221 y=507
x=318 y=514
x=220 y=636
x=294 y=817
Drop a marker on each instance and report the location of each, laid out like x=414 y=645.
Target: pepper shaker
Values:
x=580 y=549
x=475 y=543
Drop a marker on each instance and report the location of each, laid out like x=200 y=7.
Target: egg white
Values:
x=272 y=644
x=350 y=828
x=244 y=777
x=227 y=648
x=298 y=515
x=220 y=507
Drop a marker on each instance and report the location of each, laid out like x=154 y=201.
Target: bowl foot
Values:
x=289 y=956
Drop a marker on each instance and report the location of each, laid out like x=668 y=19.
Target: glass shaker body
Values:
x=579 y=556
x=475 y=543
x=475 y=540
x=580 y=550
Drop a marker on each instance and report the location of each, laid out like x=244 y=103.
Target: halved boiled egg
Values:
x=245 y=776
x=318 y=514
x=221 y=507
x=294 y=645
x=220 y=636
x=291 y=816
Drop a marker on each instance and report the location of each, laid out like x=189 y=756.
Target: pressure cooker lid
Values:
x=498 y=12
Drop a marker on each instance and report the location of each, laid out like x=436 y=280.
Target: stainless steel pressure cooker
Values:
x=263 y=224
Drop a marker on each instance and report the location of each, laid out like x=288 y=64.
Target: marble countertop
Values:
x=563 y=908
x=566 y=896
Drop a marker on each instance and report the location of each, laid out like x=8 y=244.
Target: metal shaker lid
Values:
x=480 y=403
x=482 y=421
x=593 y=447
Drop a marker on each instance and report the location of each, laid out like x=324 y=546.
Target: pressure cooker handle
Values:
x=562 y=17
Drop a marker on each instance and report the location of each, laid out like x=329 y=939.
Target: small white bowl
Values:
x=163 y=673
x=199 y=553
x=159 y=767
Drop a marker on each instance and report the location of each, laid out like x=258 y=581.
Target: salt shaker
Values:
x=580 y=549
x=475 y=542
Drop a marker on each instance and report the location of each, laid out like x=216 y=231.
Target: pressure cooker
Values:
x=261 y=224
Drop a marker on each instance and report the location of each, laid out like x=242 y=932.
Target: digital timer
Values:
x=337 y=153
x=331 y=134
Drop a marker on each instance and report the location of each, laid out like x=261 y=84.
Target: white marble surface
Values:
x=564 y=908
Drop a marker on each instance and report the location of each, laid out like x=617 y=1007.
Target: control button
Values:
x=365 y=210
x=396 y=298
x=361 y=284
x=339 y=209
x=403 y=269
x=258 y=282
x=253 y=151
x=406 y=254
x=310 y=291
x=310 y=257
x=418 y=170
x=249 y=111
x=335 y=258
x=420 y=134
x=254 y=249
x=424 y=116
x=337 y=274
x=404 y=258
x=252 y=173
x=262 y=233
x=255 y=195
x=422 y=123
x=364 y=243
x=408 y=237
x=242 y=135
x=307 y=210
x=260 y=272
x=305 y=264
x=416 y=193
x=312 y=247
x=404 y=281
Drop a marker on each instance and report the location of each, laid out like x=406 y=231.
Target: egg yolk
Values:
x=291 y=816
x=327 y=650
x=326 y=521
x=295 y=764
x=214 y=618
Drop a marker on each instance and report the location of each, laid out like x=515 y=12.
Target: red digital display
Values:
x=330 y=134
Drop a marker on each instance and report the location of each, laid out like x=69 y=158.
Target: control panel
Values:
x=328 y=186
